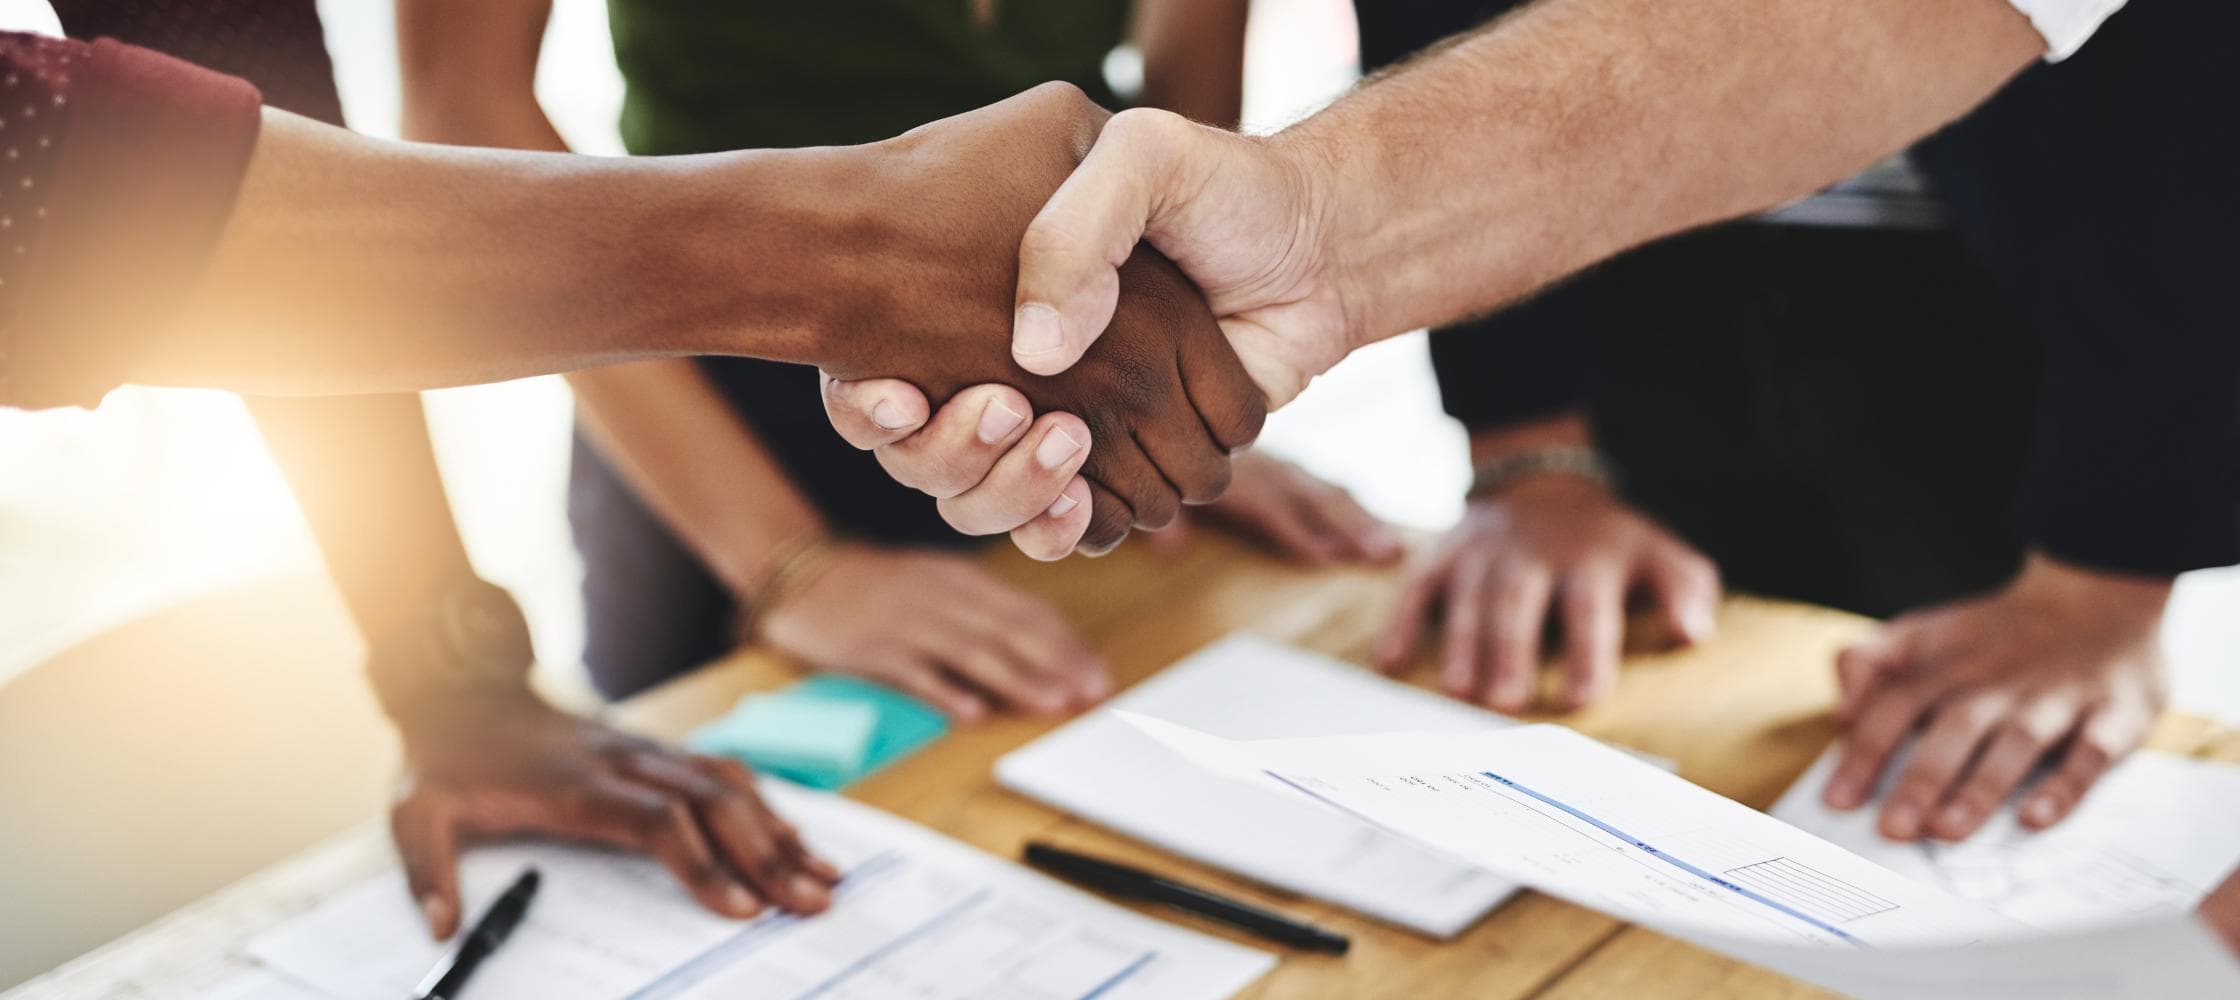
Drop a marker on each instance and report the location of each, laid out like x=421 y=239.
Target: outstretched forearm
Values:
x=357 y=265
x=1574 y=129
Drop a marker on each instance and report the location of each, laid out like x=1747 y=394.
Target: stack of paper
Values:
x=1554 y=810
x=1106 y=771
x=918 y=915
x=2155 y=835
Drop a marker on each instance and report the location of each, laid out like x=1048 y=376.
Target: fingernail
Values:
x=738 y=900
x=1096 y=686
x=1036 y=330
x=1062 y=506
x=998 y=421
x=437 y=911
x=889 y=416
x=810 y=892
x=2040 y=810
x=1056 y=449
x=1954 y=820
x=1902 y=822
x=1702 y=624
x=1843 y=794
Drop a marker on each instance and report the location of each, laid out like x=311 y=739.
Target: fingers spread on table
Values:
x=1958 y=726
x=1517 y=604
x=1593 y=607
x=729 y=817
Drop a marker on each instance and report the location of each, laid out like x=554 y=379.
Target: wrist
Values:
x=794 y=567
x=757 y=252
x=1556 y=451
x=1568 y=429
x=2105 y=592
x=1337 y=204
x=467 y=643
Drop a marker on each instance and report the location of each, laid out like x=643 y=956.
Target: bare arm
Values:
x=1193 y=57
x=470 y=73
x=1539 y=144
x=353 y=265
x=1475 y=175
x=472 y=82
x=1578 y=128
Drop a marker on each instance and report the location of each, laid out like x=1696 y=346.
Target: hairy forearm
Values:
x=355 y=265
x=1574 y=129
x=696 y=462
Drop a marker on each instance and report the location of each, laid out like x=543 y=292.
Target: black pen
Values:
x=450 y=975
x=1135 y=883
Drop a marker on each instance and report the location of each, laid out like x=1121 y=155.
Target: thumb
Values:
x=1070 y=256
x=428 y=846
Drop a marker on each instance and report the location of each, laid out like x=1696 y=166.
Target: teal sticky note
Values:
x=824 y=732
x=905 y=723
x=815 y=741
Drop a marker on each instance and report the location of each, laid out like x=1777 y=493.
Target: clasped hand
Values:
x=1104 y=325
x=1148 y=417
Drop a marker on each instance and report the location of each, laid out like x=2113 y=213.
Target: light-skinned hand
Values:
x=1244 y=233
x=1550 y=549
x=1292 y=512
x=2063 y=664
x=936 y=625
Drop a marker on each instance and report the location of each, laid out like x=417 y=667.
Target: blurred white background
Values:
x=161 y=494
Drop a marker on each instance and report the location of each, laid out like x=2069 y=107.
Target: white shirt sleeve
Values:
x=2067 y=24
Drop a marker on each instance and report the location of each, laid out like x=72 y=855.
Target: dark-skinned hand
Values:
x=499 y=762
x=1163 y=396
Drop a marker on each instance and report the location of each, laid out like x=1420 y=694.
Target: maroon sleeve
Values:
x=118 y=168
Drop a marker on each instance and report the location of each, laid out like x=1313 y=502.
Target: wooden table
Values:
x=1743 y=715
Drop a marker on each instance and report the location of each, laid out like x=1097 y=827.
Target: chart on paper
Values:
x=1571 y=816
x=2132 y=848
x=916 y=916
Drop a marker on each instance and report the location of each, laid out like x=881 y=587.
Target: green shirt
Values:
x=708 y=75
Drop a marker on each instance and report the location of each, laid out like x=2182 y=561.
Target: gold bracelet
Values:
x=798 y=563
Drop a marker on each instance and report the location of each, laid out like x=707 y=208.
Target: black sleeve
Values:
x=2100 y=192
x=1530 y=361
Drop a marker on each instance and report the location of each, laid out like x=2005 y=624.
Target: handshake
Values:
x=1033 y=216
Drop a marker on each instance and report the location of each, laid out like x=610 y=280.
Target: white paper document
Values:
x=1557 y=811
x=2155 y=835
x=918 y=915
x=1104 y=770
